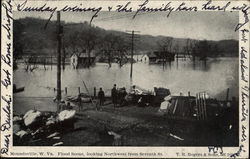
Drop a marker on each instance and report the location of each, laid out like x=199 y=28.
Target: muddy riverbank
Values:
x=136 y=126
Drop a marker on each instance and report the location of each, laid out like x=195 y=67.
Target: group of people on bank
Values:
x=117 y=96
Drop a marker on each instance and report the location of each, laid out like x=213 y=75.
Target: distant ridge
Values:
x=30 y=33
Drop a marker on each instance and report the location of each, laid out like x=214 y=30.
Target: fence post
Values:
x=205 y=106
x=66 y=91
x=94 y=92
x=227 y=94
x=201 y=106
x=197 y=107
x=79 y=91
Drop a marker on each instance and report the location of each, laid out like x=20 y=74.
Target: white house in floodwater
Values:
x=82 y=59
x=74 y=60
x=145 y=58
x=150 y=57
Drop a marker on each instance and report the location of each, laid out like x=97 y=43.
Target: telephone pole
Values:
x=59 y=39
x=132 y=51
x=132 y=54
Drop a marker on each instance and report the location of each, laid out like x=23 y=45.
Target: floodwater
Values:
x=182 y=77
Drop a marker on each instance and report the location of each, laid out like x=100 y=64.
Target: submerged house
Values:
x=157 y=57
x=182 y=56
x=150 y=57
x=164 y=56
x=74 y=60
x=82 y=59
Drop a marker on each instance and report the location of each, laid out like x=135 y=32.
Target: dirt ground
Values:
x=137 y=126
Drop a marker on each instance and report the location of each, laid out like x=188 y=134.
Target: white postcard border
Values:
x=8 y=6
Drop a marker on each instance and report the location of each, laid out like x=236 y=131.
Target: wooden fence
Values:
x=201 y=106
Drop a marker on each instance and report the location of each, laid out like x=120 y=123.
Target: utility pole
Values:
x=132 y=51
x=88 y=44
x=64 y=54
x=59 y=39
x=51 y=60
x=132 y=54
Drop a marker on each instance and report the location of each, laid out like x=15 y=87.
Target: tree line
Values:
x=31 y=37
x=82 y=38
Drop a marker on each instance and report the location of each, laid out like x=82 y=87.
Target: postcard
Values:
x=125 y=79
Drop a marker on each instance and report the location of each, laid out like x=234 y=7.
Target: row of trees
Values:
x=113 y=46
x=192 y=49
x=77 y=38
x=88 y=38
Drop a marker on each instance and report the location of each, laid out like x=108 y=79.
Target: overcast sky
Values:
x=194 y=25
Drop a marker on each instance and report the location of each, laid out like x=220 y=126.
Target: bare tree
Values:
x=109 y=45
x=189 y=49
x=202 y=50
x=176 y=52
x=44 y=63
x=121 y=48
x=214 y=50
x=176 y=49
x=165 y=48
x=114 y=48
x=71 y=43
x=18 y=49
x=31 y=63
x=89 y=39
x=26 y=62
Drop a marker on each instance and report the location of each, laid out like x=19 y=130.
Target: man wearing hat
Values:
x=62 y=105
x=101 y=97
x=114 y=95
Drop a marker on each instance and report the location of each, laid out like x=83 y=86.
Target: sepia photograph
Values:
x=125 y=80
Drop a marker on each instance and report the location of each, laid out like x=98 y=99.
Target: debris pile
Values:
x=84 y=98
x=117 y=138
x=38 y=127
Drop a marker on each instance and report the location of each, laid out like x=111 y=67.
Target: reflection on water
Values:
x=214 y=78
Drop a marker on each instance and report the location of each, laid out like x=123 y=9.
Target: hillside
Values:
x=31 y=36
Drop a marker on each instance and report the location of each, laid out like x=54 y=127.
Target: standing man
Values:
x=62 y=105
x=101 y=97
x=114 y=95
x=79 y=100
x=69 y=107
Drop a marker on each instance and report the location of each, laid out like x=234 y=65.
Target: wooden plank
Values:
x=175 y=106
x=89 y=95
x=201 y=106
x=205 y=106
x=197 y=111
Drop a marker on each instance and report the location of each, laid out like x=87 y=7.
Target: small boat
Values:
x=17 y=90
x=85 y=99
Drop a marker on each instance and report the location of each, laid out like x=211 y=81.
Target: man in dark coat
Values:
x=114 y=95
x=79 y=100
x=62 y=106
x=101 y=97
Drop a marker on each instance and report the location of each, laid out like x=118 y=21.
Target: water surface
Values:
x=214 y=78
